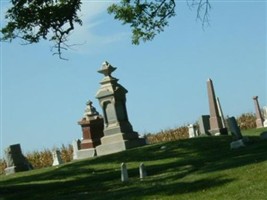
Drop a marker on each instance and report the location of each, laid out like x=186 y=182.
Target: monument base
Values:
x=259 y=123
x=118 y=142
x=89 y=143
x=10 y=170
x=84 y=153
x=221 y=131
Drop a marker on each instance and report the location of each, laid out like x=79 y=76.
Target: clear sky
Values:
x=43 y=97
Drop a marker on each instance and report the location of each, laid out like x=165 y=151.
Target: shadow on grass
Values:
x=99 y=178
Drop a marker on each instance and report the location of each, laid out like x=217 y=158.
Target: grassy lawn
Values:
x=199 y=168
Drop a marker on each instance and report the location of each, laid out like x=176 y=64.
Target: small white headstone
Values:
x=124 y=173
x=76 y=147
x=56 y=158
x=142 y=171
x=265 y=123
x=192 y=131
x=237 y=144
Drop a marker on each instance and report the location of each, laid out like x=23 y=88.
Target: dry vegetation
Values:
x=246 y=121
x=168 y=135
x=41 y=159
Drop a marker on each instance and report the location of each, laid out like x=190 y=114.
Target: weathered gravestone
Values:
x=15 y=160
x=192 y=130
x=216 y=127
x=234 y=128
x=118 y=131
x=124 y=173
x=204 y=124
x=57 y=160
x=259 y=118
x=142 y=171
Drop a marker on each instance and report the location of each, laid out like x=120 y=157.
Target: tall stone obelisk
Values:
x=216 y=127
x=118 y=131
x=259 y=118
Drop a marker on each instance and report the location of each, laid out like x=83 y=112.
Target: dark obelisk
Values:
x=259 y=118
x=216 y=127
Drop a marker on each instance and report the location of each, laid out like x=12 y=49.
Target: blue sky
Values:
x=43 y=97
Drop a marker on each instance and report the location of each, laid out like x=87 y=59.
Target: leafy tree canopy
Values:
x=33 y=20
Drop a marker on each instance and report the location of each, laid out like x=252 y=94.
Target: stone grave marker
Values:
x=234 y=128
x=57 y=160
x=16 y=161
x=204 y=124
x=124 y=173
x=192 y=130
x=142 y=171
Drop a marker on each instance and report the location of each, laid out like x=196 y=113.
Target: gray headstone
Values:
x=204 y=124
x=142 y=171
x=234 y=128
x=124 y=173
x=16 y=161
x=57 y=160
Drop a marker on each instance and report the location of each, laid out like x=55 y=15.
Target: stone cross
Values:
x=259 y=118
x=142 y=171
x=124 y=172
x=57 y=160
x=216 y=127
x=234 y=128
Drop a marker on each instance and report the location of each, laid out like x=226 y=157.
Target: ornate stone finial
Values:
x=107 y=69
x=90 y=110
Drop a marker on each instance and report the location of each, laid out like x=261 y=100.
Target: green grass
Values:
x=201 y=168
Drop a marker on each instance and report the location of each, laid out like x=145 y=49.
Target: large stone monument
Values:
x=259 y=118
x=92 y=125
x=216 y=127
x=15 y=160
x=118 y=132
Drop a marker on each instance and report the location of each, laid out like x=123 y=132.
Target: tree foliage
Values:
x=33 y=20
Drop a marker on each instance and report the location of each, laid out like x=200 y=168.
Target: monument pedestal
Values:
x=118 y=142
x=219 y=131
